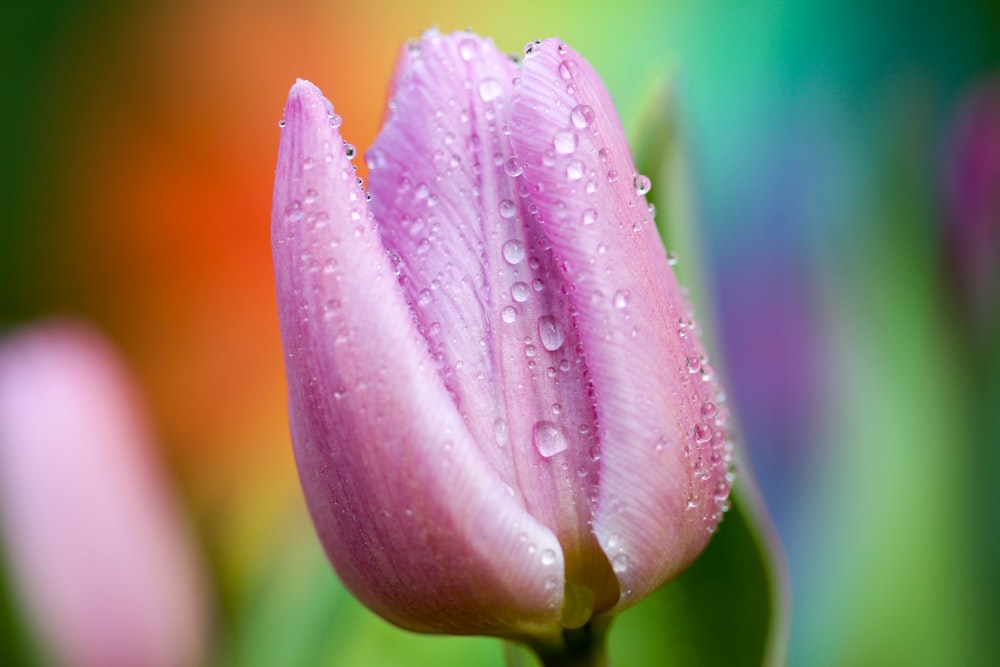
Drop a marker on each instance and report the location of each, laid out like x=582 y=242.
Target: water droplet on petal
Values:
x=619 y=563
x=565 y=142
x=574 y=170
x=589 y=216
x=509 y=314
x=549 y=439
x=642 y=184
x=581 y=116
x=513 y=251
x=693 y=364
x=519 y=292
x=489 y=89
x=467 y=49
x=702 y=432
x=548 y=557
x=512 y=167
x=550 y=333
x=500 y=431
x=507 y=208
x=621 y=299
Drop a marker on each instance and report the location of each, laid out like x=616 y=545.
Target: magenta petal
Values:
x=95 y=542
x=417 y=522
x=664 y=456
x=486 y=290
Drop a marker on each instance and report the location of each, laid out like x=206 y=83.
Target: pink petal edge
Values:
x=664 y=455
x=413 y=481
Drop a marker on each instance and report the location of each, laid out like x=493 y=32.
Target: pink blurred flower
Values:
x=503 y=419
x=97 y=549
x=972 y=192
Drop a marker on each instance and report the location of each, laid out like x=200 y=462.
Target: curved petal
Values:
x=487 y=294
x=416 y=522
x=664 y=459
x=101 y=556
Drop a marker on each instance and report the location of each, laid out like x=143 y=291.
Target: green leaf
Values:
x=729 y=608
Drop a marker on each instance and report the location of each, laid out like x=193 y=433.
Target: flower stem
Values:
x=577 y=647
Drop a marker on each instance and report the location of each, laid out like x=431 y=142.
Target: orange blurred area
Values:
x=175 y=204
x=163 y=224
x=152 y=143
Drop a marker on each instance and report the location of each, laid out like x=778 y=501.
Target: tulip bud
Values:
x=93 y=539
x=503 y=419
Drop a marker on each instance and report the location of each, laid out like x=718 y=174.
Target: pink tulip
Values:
x=503 y=419
x=94 y=541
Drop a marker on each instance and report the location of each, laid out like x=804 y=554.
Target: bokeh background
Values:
x=841 y=164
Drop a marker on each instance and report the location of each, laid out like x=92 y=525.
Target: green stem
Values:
x=577 y=647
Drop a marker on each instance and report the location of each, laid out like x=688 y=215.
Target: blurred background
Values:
x=838 y=161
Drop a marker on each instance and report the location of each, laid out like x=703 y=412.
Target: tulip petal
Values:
x=664 y=455
x=415 y=519
x=98 y=550
x=486 y=290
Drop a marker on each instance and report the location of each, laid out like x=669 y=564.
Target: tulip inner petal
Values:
x=486 y=290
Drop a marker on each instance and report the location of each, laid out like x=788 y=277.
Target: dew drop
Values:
x=548 y=438
x=642 y=184
x=702 y=432
x=519 y=291
x=512 y=167
x=548 y=557
x=671 y=259
x=708 y=409
x=550 y=333
x=281 y=123
x=621 y=299
x=350 y=151
x=467 y=49
x=566 y=68
x=513 y=251
x=581 y=116
x=619 y=563
x=425 y=297
x=574 y=170
x=489 y=89
x=507 y=208
x=565 y=142
x=500 y=432
x=589 y=216
x=509 y=314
